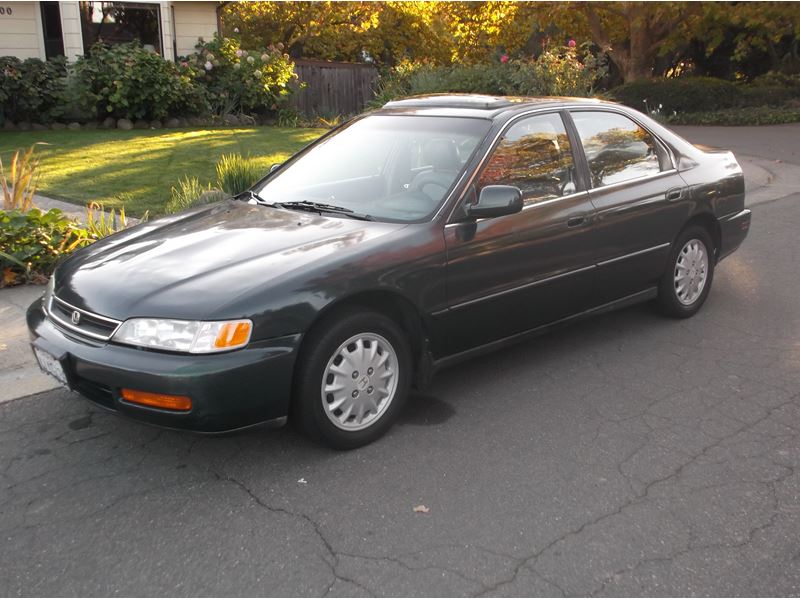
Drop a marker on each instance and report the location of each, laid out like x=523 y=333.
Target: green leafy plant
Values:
x=34 y=241
x=18 y=183
x=31 y=89
x=557 y=72
x=101 y=223
x=238 y=80
x=190 y=192
x=677 y=95
x=235 y=174
x=126 y=80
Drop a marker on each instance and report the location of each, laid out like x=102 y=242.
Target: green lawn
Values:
x=136 y=169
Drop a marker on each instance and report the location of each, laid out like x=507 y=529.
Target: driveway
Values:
x=624 y=455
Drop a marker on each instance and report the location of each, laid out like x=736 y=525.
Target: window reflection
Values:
x=617 y=149
x=535 y=156
x=120 y=22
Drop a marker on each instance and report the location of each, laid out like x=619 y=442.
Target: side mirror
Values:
x=275 y=167
x=496 y=201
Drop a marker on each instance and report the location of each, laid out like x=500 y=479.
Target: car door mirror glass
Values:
x=496 y=201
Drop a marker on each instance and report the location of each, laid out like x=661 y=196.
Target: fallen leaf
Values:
x=422 y=509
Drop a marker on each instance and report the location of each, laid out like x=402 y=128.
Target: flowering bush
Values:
x=235 y=79
x=129 y=81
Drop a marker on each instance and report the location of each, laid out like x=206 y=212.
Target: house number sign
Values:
x=5 y=10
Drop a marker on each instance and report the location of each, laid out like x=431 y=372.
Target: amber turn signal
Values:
x=233 y=334
x=157 y=400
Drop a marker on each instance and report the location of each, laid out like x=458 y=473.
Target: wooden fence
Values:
x=333 y=88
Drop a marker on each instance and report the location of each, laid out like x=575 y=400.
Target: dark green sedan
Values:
x=418 y=235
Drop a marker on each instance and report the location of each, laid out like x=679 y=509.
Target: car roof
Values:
x=478 y=105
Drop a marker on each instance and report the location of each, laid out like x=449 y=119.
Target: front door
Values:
x=511 y=274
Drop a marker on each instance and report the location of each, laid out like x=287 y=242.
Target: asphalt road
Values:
x=624 y=455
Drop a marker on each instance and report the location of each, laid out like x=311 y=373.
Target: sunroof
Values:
x=451 y=101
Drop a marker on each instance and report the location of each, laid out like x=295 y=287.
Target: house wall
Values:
x=21 y=31
x=193 y=20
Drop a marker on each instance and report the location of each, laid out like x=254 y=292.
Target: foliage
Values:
x=684 y=94
x=235 y=79
x=101 y=223
x=236 y=174
x=34 y=241
x=128 y=81
x=764 y=115
x=188 y=193
x=19 y=183
x=559 y=73
x=31 y=89
x=641 y=38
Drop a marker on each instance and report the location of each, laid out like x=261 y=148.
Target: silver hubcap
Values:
x=360 y=381
x=691 y=271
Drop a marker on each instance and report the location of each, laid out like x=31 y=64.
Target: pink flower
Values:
x=504 y=58
x=239 y=53
x=571 y=43
x=208 y=65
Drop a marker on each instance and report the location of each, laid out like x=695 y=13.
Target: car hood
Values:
x=190 y=265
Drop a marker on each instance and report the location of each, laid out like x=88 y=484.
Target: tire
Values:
x=335 y=402
x=692 y=259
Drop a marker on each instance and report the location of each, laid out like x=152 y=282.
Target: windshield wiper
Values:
x=321 y=207
x=250 y=195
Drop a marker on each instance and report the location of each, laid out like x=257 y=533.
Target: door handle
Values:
x=674 y=194
x=576 y=221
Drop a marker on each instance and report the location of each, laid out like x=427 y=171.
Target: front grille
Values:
x=95 y=392
x=81 y=321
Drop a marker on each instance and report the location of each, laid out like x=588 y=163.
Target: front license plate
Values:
x=50 y=365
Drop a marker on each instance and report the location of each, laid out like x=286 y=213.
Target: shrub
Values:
x=34 y=241
x=235 y=79
x=236 y=174
x=101 y=223
x=125 y=80
x=683 y=94
x=18 y=184
x=754 y=115
x=553 y=73
x=31 y=89
x=188 y=193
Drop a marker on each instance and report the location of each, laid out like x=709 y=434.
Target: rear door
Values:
x=640 y=198
x=513 y=273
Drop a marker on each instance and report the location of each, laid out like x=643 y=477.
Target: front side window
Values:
x=121 y=22
x=535 y=156
x=395 y=168
x=617 y=149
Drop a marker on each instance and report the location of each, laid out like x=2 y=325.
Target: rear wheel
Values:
x=686 y=283
x=353 y=379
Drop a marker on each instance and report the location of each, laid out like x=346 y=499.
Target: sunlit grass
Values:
x=137 y=169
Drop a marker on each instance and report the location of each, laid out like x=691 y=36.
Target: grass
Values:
x=137 y=169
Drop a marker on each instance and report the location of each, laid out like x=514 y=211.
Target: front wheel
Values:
x=353 y=379
x=686 y=283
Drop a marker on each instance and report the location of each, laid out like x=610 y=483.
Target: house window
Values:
x=121 y=22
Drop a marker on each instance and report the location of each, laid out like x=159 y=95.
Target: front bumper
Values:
x=733 y=230
x=228 y=391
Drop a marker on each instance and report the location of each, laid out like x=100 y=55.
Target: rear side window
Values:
x=535 y=156
x=617 y=149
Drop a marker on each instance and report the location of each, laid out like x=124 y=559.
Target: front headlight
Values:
x=196 y=337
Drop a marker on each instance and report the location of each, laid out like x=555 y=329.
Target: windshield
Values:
x=395 y=168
